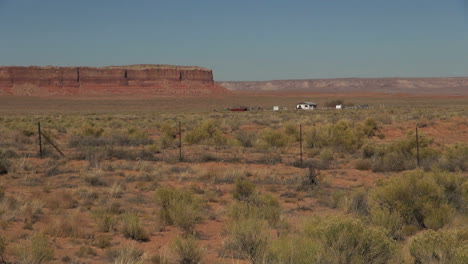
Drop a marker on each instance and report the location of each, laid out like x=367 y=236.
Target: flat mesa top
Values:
x=130 y=67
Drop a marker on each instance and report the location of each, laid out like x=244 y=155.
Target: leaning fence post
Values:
x=40 y=138
x=417 y=146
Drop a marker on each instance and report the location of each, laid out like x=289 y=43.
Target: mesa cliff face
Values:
x=165 y=80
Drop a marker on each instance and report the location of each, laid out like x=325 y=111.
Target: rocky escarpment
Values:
x=449 y=86
x=113 y=80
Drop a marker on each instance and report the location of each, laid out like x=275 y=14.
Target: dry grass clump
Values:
x=126 y=255
x=187 y=250
x=132 y=227
x=180 y=207
x=35 y=250
x=66 y=225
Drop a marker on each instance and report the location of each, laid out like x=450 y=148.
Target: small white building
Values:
x=339 y=106
x=276 y=108
x=306 y=106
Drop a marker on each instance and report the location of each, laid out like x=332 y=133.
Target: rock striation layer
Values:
x=165 y=80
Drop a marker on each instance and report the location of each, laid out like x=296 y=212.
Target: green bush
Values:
x=264 y=206
x=342 y=137
x=442 y=246
x=295 y=249
x=132 y=228
x=105 y=220
x=36 y=250
x=370 y=127
x=401 y=155
x=455 y=157
x=180 y=207
x=244 y=190
x=208 y=133
x=248 y=238
x=424 y=200
x=187 y=250
x=348 y=240
x=270 y=138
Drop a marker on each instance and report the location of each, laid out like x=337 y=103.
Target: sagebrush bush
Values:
x=180 y=207
x=132 y=228
x=244 y=190
x=442 y=246
x=401 y=155
x=127 y=255
x=248 y=238
x=455 y=157
x=35 y=250
x=342 y=137
x=208 y=133
x=270 y=138
x=295 y=248
x=106 y=221
x=418 y=199
x=187 y=250
x=265 y=207
x=348 y=240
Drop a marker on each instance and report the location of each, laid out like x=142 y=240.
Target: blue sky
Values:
x=243 y=40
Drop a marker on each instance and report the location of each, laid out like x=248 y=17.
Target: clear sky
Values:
x=243 y=39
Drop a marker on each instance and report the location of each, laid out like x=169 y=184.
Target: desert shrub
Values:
x=106 y=221
x=187 y=250
x=401 y=155
x=358 y=203
x=180 y=207
x=310 y=180
x=244 y=190
x=126 y=255
x=270 y=138
x=369 y=127
x=208 y=133
x=362 y=164
x=246 y=139
x=455 y=157
x=341 y=137
x=5 y=165
x=442 y=246
x=416 y=199
x=248 y=238
x=92 y=137
x=66 y=226
x=35 y=250
x=292 y=131
x=132 y=228
x=348 y=240
x=326 y=155
x=295 y=248
x=263 y=206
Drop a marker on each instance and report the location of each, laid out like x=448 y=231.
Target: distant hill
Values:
x=448 y=86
